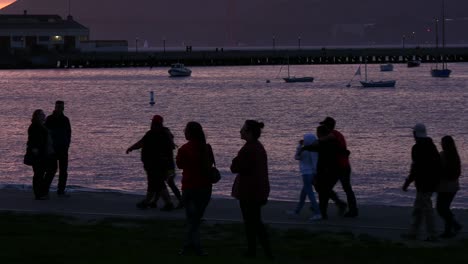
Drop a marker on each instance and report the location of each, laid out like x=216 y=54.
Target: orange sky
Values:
x=5 y=2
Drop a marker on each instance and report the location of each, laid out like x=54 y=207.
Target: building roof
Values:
x=49 y=22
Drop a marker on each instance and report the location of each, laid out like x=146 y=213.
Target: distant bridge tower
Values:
x=231 y=32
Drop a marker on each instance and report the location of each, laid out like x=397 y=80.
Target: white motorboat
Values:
x=179 y=70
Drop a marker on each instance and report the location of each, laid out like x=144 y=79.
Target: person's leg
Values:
x=38 y=180
x=248 y=215
x=201 y=200
x=302 y=195
x=171 y=183
x=50 y=171
x=190 y=212
x=63 y=172
x=443 y=202
x=428 y=212
x=262 y=233
x=345 y=179
x=310 y=193
x=417 y=215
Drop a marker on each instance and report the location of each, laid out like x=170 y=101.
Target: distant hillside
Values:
x=255 y=22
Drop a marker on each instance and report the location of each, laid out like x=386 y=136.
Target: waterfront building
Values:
x=41 y=33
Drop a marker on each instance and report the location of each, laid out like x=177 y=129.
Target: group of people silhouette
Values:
x=323 y=162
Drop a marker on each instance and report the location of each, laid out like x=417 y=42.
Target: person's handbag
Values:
x=28 y=158
x=215 y=175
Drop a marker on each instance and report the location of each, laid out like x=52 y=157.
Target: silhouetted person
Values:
x=60 y=130
x=308 y=167
x=195 y=158
x=344 y=172
x=425 y=173
x=252 y=187
x=40 y=145
x=327 y=168
x=157 y=157
x=448 y=186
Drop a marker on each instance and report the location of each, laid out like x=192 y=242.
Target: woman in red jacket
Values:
x=195 y=158
x=251 y=186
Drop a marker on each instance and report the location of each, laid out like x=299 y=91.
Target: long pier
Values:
x=220 y=57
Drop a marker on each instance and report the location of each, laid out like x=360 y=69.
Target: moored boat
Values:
x=179 y=70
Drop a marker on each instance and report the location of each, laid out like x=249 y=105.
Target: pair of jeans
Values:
x=307 y=191
x=254 y=227
x=422 y=210
x=345 y=179
x=444 y=200
x=60 y=163
x=195 y=201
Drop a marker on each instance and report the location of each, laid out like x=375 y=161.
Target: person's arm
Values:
x=297 y=156
x=242 y=161
x=411 y=176
x=68 y=131
x=135 y=146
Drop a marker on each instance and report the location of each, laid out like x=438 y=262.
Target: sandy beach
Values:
x=386 y=222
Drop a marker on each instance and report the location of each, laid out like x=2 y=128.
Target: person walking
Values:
x=344 y=172
x=39 y=146
x=60 y=131
x=195 y=158
x=425 y=173
x=448 y=186
x=308 y=167
x=157 y=156
x=252 y=187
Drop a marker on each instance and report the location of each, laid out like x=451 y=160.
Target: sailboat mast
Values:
x=443 y=24
x=288 y=66
x=443 y=34
x=365 y=69
x=436 y=20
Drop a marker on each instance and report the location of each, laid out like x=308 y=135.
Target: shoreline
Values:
x=382 y=221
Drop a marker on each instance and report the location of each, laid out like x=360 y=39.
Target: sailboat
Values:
x=444 y=72
x=294 y=79
x=366 y=83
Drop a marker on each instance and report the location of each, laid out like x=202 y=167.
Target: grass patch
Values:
x=57 y=239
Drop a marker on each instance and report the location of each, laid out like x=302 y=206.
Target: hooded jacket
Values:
x=307 y=159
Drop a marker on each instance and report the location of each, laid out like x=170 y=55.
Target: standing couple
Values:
x=48 y=143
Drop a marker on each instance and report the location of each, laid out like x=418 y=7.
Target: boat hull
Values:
x=298 y=79
x=179 y=73
x=441 y=73
x=386 y=67
x=390 y=83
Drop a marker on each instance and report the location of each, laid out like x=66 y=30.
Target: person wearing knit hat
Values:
x=425 y=173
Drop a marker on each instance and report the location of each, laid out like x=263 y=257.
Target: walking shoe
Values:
x=457 y=228
x=180 y=205
x=167 y=208
x=292 y=213
x=315 y=217
x=153 y=205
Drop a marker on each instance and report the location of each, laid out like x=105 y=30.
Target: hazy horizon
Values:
x=219 y=23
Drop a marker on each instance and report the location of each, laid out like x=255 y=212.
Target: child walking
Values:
x=308 y=167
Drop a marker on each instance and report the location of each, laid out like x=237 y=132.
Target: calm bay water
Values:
x=109 y=110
